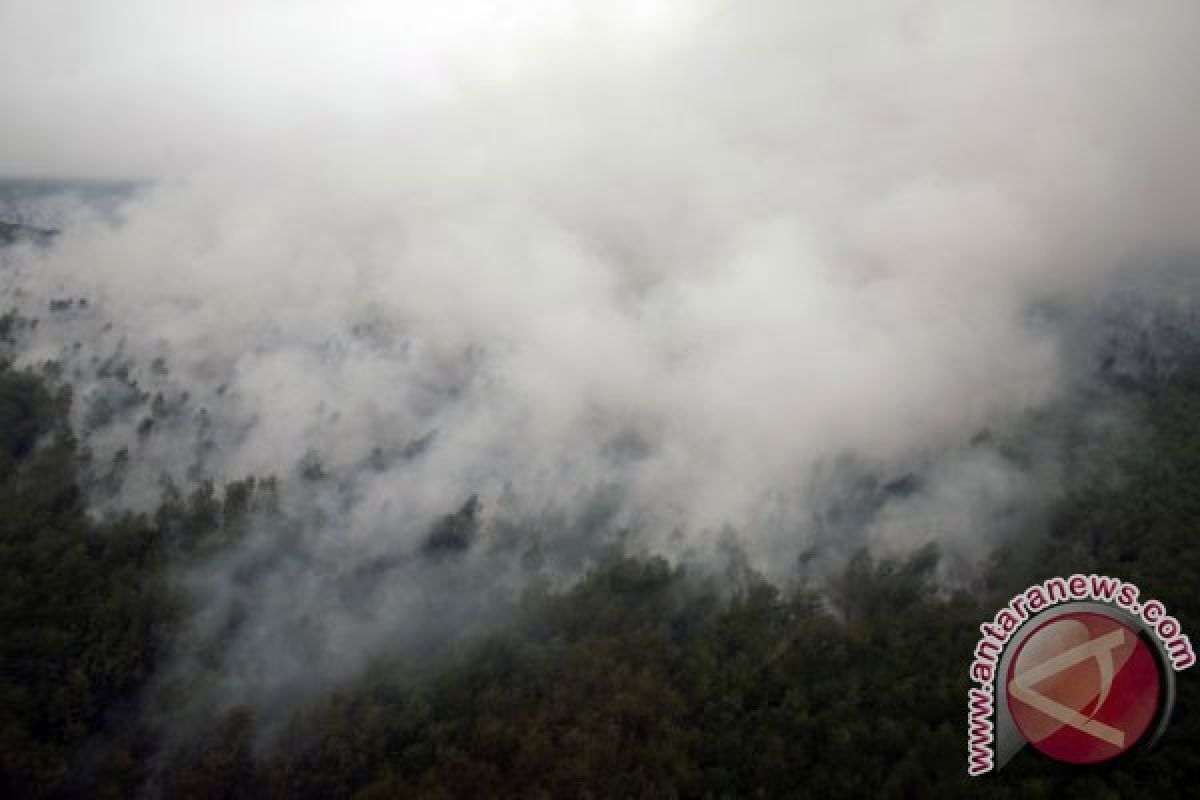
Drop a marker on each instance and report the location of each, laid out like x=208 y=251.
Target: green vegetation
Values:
x=639 y=681
x=83 y=605
x=12 y=232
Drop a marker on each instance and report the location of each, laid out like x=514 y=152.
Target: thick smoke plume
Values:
x=686 y=273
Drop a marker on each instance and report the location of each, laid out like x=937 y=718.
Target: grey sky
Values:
x=699 y=250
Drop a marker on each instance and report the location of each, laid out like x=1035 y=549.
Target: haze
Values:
x=710 y=262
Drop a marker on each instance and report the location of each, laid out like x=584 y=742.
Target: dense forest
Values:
x=639 y=399
x=640 y=680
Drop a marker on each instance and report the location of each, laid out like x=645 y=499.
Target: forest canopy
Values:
x=641 y=679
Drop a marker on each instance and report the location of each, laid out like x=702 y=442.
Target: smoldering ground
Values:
x=668 y=274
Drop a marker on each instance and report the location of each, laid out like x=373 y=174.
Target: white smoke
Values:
x=689 y=257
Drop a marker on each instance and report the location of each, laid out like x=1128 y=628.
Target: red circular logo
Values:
x=1083 y=688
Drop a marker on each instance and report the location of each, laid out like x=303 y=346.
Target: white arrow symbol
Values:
x=1099 y=649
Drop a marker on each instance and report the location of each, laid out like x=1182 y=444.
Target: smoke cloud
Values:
x=685 y=271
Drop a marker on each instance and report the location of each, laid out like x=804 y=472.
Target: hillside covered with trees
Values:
x=640 y=680
x=641 y=399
